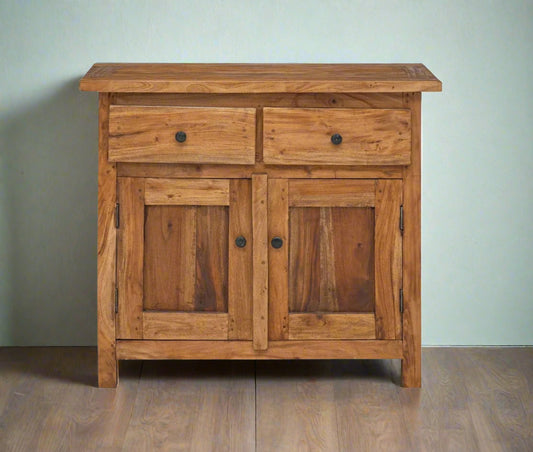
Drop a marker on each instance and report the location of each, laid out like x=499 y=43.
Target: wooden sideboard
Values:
x=259 y=211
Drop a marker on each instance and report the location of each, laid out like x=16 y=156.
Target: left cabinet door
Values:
x=184 y=259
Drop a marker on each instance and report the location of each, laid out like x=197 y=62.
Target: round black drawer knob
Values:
x=240 y=241
x=336 y=138
x=181 y=137
x=276 y=242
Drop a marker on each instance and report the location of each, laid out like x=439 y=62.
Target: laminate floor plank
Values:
x=437 y=416
x=295 y=406
x=472 y=399
x=55 y=404
x=501 y=399
x=328 y=405
x=368 y=408
x=194 y=406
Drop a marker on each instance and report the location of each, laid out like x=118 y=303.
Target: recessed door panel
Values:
x=178 y=257
x=331 y=259
x=186 y=258
x=336 y=275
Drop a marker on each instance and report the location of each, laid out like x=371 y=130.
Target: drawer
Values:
x=210 y=135
x=336 y=136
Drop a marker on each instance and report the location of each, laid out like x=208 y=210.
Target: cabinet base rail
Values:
x=326 y=349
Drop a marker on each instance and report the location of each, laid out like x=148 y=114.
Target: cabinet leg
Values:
x=411 y=371
x=107 y=367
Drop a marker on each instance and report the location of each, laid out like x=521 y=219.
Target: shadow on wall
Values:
x=49 y=158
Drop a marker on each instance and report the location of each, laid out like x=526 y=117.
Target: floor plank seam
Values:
x=130 y=417
x=255 y=405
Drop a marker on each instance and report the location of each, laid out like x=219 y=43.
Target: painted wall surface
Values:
x=477 y=141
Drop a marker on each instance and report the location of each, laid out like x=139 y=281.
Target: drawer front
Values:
x=306 y=136
x=212 y=135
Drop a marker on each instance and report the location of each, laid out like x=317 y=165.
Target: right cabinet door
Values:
x=335 y=259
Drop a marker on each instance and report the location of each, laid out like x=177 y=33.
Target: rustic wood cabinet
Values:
x=259 y=212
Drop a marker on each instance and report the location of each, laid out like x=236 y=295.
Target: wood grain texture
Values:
x=331 y=260
x=328 y=278
x=316 y=349
x=213 y=135
x=278 y=259
x=498 y=394
x=194 y=406
x=304 y=260
x=245 y=171
x=201 y=192
x=346 y=257
x=258 y=78
x=388 y=259
x=450 y=426
x=331 y=326
x=306 y=404
x=232 y=114
x=259 y=135
x=52 y=401
x=351 y=253
x=211 y=292
x=186 y=258
x=332 y=193
x=328 y=406
x=106 y=246
x=473 y=399
x=185 y=325
x=130 y=258
x=170 y=258
x=260 y=261
x=411 y=271
x=240 y=293
x=368 y=411
x=301 y=100
x=302 y=136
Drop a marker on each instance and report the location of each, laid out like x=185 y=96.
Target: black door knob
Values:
x=181 y=137
x=276 y=242
x=240 y=241
x=336 y=138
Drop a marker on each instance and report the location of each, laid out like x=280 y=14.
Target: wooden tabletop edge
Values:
x=102 y=77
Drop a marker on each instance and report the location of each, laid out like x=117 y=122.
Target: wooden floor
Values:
x=473 y=399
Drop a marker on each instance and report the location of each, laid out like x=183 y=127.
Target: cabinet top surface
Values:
x=258 y=78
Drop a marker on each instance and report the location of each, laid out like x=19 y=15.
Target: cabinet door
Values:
x=337 y=273
x=182 y=273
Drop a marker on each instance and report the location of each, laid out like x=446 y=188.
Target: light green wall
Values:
x=477 y=141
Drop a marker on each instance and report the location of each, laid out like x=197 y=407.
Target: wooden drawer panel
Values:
x=213 y=135
x=302 y=136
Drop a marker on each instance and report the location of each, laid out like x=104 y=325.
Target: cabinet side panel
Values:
x=411 y=363
x=107 y=364
x=240 y=261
